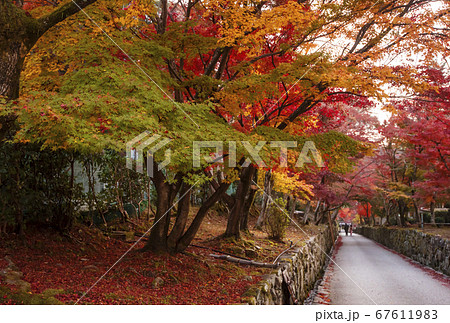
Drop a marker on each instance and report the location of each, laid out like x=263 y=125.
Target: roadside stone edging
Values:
x=429 y=250
x=304 y=265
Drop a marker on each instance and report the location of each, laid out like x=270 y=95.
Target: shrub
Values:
x=277 y=220
x=445 y=215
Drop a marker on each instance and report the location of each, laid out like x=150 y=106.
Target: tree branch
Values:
x=62 y=13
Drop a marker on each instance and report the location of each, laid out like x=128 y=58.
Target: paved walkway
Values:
x=371 y=274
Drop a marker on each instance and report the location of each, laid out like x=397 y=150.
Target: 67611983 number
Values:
x=406 y=314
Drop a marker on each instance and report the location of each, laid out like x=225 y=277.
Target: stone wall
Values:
x=429 y=250
x=302 y=266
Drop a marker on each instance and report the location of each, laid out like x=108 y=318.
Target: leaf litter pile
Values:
x=53 y=269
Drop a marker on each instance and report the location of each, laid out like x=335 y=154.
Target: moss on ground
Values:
x=28 y=298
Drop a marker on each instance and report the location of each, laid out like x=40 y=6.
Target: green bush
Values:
x=277 y=220
x=445 y=215
x=37 y=186
x=440 y=217
x=426 y=217
x=393 y=220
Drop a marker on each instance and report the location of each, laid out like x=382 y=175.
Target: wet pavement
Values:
x=365 y=273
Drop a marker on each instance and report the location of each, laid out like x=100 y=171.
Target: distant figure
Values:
x=351 y=228
x=346 y=229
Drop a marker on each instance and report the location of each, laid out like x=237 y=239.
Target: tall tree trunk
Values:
x=247 y=205
x=18 y=33
x=182 y=217
x=268 y=184
x=15 y=42
x=433 y=215
x=11 y=63
x=157 y=240
x=416 y=213
x=388 y=212
x=402 y=208
x=233 y=225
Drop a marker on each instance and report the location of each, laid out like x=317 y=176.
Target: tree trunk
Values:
x=120 y=205
x=330 y=225
x=18 y=34
x=63 y=220
x=157 y=240
x=187 y=238
x=335 y=214
x=182 y=217
x=307 y=212
x=160 y=240
x=402 y=207
x=416 y=213
x=388 y=212
x=292 y=203
x=433 y=215
x=316 y=212
x=268 y=184
x=11 y=63
x=227 y=200
x=247 y=205
x=12 y=57
x=233 y=225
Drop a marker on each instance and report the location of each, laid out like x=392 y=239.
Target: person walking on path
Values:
x=346 y=229
x=351 y=229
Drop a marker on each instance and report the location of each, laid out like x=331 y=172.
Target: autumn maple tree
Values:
x=417 y=147
x=280 y=70
x=20 y=32
x=81 y=80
